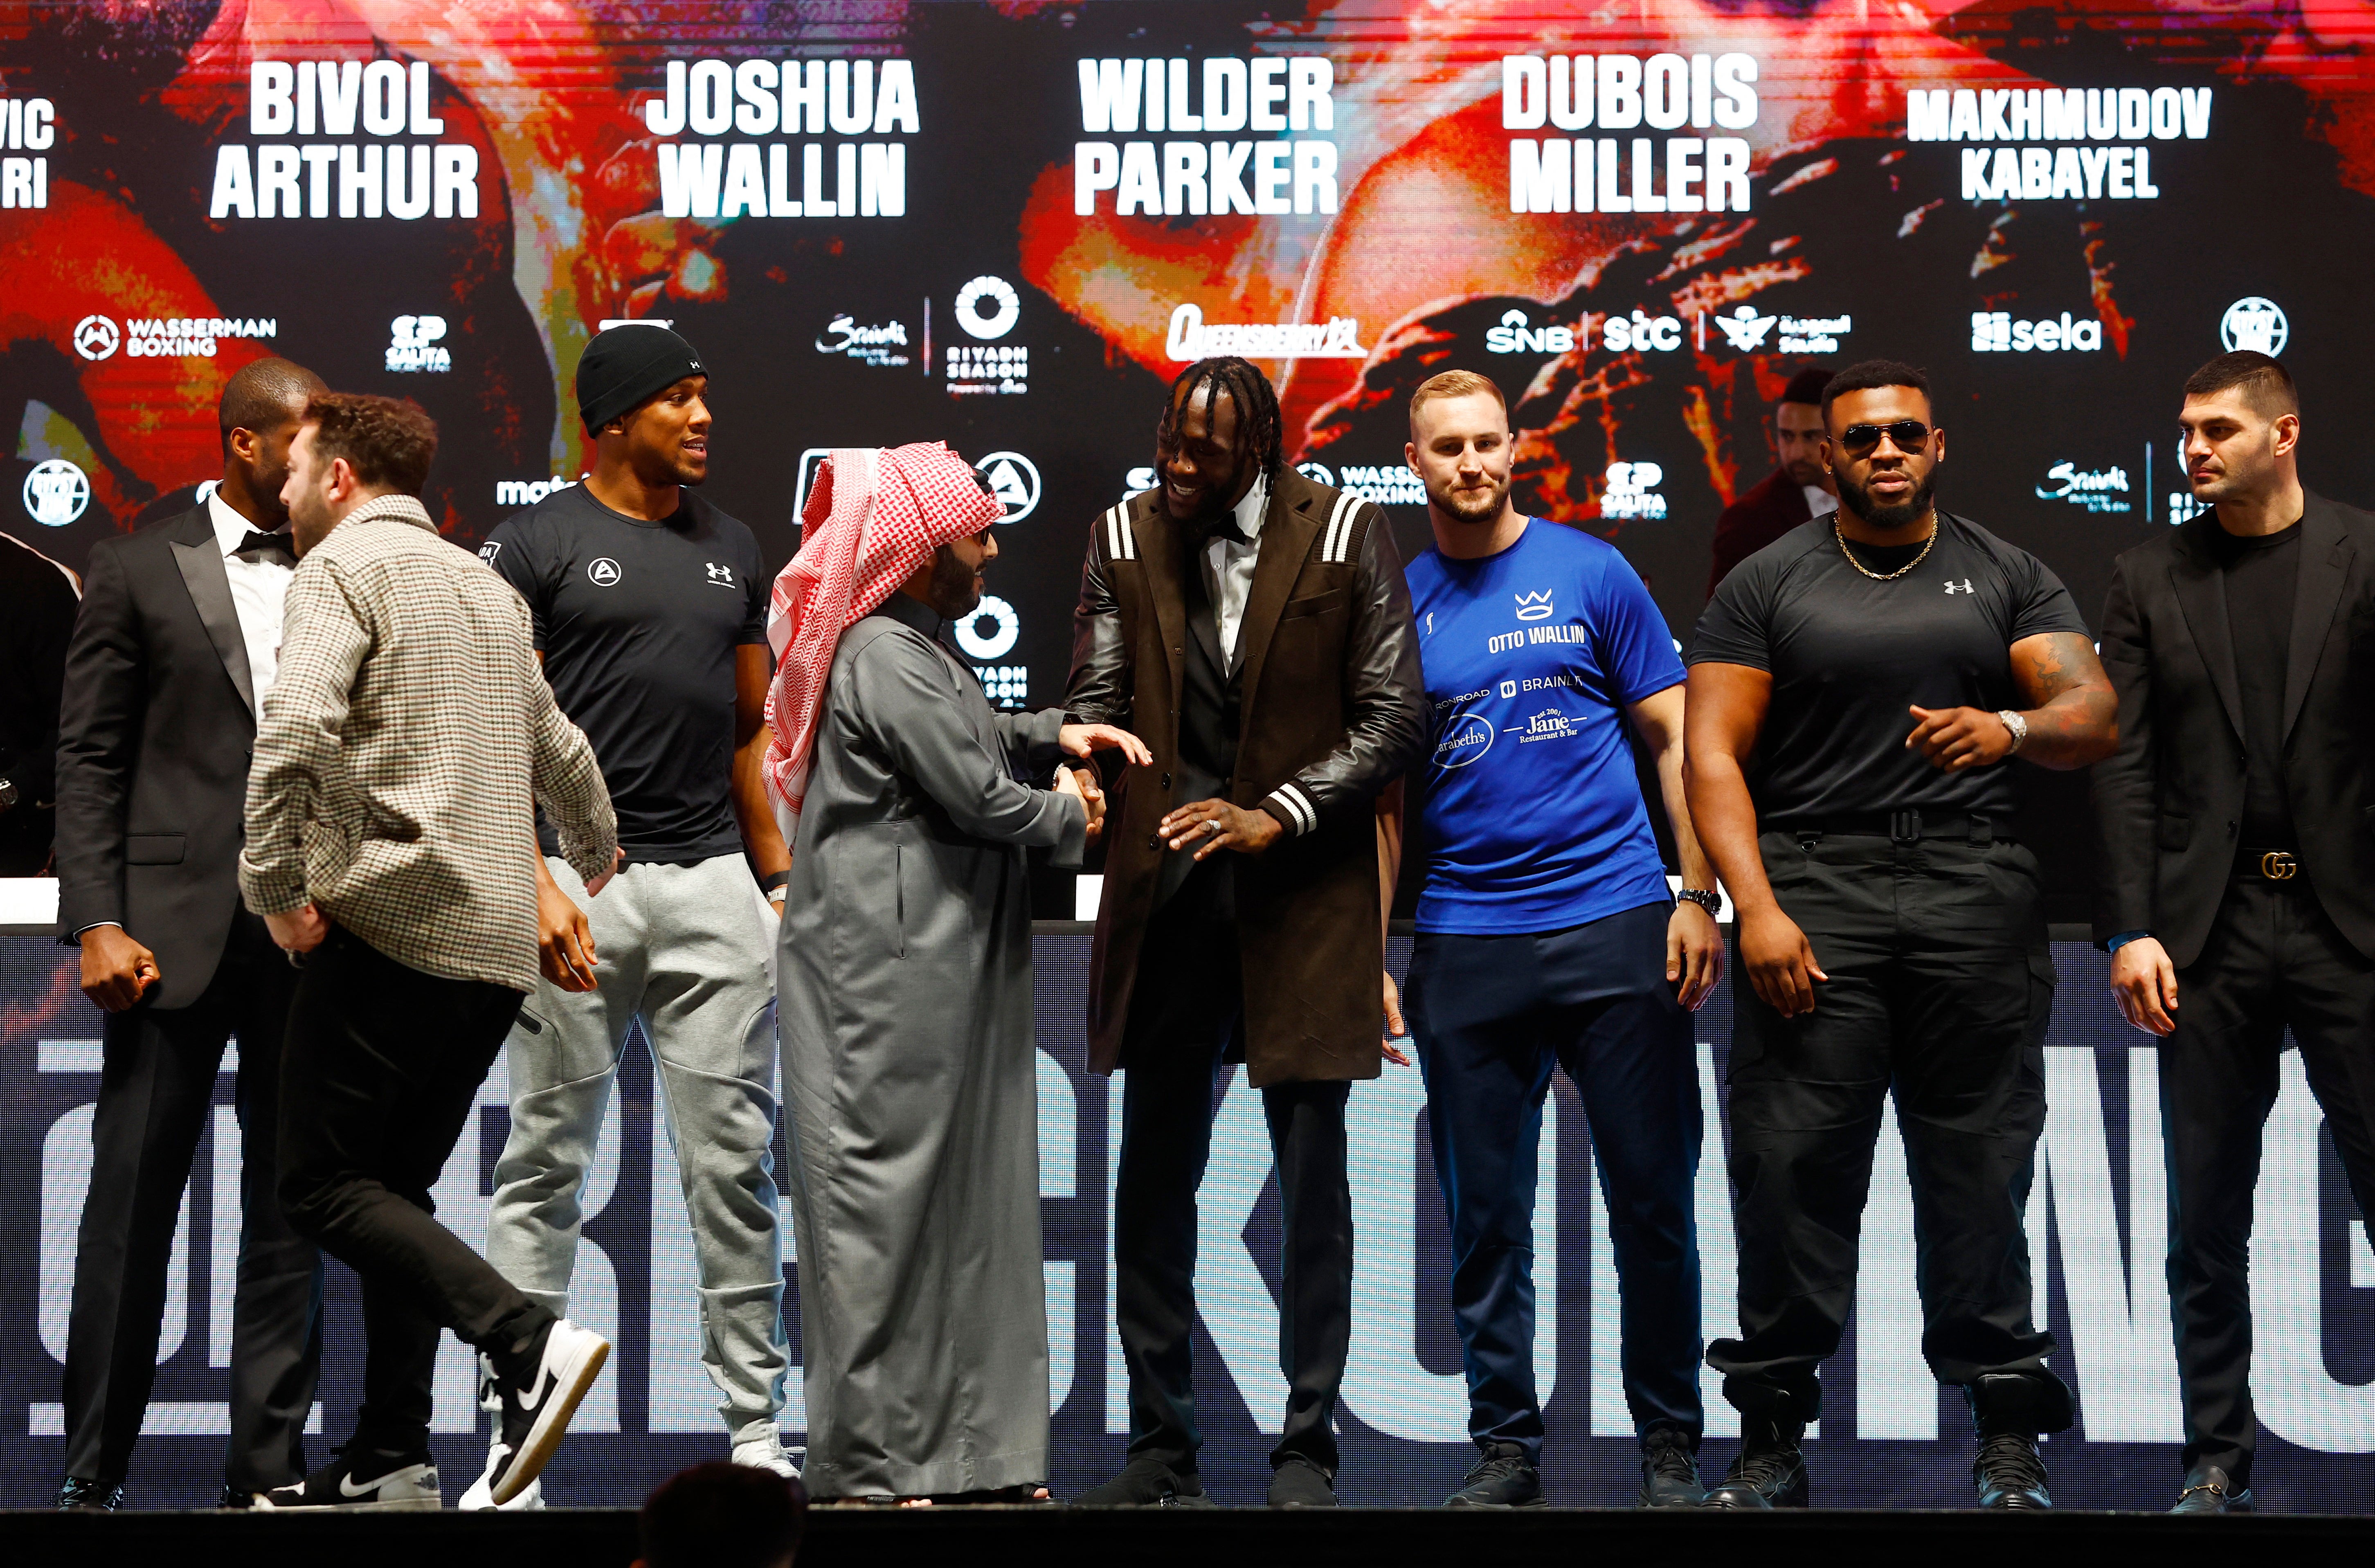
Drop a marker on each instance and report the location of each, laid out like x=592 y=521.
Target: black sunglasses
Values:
x=1909 y=435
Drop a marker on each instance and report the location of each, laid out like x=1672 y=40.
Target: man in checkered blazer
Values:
x=388 y=840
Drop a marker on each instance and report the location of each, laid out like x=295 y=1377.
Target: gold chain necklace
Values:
x=1884 y=576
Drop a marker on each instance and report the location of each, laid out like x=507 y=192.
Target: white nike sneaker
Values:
x=364 y=1483
x=532 y=1407
x=768 y=1453
x=481 y=1498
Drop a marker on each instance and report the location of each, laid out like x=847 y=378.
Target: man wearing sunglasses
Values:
x=1855 y=691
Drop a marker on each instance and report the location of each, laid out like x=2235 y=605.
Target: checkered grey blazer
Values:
x=401 y=747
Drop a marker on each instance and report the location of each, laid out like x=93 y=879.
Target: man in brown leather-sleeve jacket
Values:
x=1254 y=628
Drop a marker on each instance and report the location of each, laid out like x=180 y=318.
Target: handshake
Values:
x=1081 y=783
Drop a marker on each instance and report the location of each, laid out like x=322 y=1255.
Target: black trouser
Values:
x=1186 y=1009
x=1491 y=1016
x=2274 y=961
x=382 y=1065
x=1941 y=986
x=156 y=1088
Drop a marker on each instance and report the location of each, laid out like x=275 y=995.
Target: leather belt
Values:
x=1909 y=826
x=2267 y=865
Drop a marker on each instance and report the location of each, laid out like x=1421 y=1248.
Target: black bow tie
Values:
x=276 y=546
x=1224 y=526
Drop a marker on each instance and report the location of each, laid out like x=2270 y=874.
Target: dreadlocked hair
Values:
x=1260 y=428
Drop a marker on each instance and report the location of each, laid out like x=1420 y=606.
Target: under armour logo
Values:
x=721 y=574
x=1962 y=587
x=1534 y=607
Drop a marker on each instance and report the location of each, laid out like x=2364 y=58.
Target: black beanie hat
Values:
x=628 y=366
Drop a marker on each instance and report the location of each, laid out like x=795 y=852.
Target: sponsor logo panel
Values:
x=55 y=492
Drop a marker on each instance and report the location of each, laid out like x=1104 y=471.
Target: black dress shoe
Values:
x=2010 y=1473
x=2209 y=1490
x=234 y=1498
x=1670 y=1471
x=1769 y=1473
x=76 y=1495
x=1299 y=1483
x=1499 y=1479
x=1147 y=1483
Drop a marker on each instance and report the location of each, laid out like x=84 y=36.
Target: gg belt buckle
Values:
x=2279 y=865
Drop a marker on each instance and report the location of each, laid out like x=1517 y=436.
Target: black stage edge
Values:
x=1357 y=1537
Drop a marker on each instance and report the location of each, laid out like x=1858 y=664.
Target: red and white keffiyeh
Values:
x=873 y=516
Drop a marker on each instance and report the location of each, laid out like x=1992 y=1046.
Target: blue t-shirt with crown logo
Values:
x=1534 y=820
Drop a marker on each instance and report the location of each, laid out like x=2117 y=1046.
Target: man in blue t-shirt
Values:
x=1547 y=936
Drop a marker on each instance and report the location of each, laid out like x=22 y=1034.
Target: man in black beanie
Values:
x=1798 y=491
x=650 y=612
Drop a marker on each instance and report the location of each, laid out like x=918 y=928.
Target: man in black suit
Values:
x=1798 y=491
x=174 y=647
x=2239 y=873
x=41 y=597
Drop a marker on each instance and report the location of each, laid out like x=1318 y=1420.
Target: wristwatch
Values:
x=2017 y=726
x=1706 y=898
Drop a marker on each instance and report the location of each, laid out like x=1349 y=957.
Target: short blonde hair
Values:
x=1455 y=384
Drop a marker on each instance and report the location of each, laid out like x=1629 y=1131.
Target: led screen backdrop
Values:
x=1888 y=1437
x=1006 y=225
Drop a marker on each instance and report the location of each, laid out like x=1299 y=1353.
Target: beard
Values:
x=1899 y=514
x=955 y=596
x=1475 y=506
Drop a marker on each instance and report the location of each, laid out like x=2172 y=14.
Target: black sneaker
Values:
x=1147 y=1483
x=361 y=1477
x=1769 y=1473
x=1670 y=1471
x=76 y=1495
x=235 y=1498
x=2209 y=1490
x=533 y=1401
x=1299 y=1483
x=2010 y=1473
x=1499 y=1479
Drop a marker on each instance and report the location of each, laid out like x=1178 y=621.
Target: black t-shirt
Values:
x=638 y=623
x=1848 y=656
x=2263 y=576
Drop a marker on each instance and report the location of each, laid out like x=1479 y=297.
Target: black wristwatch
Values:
x=1706 y=898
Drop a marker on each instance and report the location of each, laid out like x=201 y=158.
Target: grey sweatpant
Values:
x=689 y=951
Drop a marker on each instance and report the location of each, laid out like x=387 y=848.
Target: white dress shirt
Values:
x=257 y=589
x=1819 y=501
x=1229 y=567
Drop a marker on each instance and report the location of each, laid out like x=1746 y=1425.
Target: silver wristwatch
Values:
x=2017 y=725
x=1706 y=898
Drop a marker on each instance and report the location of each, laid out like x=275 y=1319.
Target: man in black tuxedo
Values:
x=174 y=647
x=1799 y=491
x=2239 y=873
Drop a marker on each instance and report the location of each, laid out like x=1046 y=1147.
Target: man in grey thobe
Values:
x=904 y=1003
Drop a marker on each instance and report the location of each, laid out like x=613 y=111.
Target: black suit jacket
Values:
x=155 y=734
x=2169 y=802
x=1773 y=506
